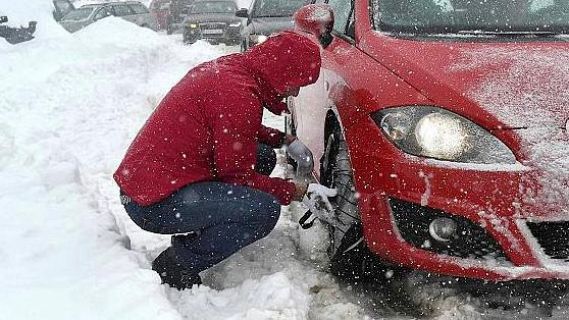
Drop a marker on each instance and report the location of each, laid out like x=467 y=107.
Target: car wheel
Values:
x=350 y=258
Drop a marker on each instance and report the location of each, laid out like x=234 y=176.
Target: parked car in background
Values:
x=179 y=9
x=214 y=21
x=61 y=8
x=266 y=17
x=132 y=11
x=160 y=9
x=444 y=126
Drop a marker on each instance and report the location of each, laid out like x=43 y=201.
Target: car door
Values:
x=124 y=11
x=142 y=16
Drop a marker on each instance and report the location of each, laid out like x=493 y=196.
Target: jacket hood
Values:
x=521 y=84
x=270 y=25
x=287 y=60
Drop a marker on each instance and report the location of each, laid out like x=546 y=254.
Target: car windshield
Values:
x=276 y=8
x=79 y=14
x=214 y=7
x=473 y=16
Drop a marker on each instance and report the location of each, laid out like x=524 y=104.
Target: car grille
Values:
x=213 y=29
x=553 y=237
x=470 y=240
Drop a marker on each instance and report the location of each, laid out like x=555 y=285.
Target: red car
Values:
x=160 y=9
x=444 y=126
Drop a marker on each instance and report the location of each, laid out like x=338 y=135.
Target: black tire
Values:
x=349 y=256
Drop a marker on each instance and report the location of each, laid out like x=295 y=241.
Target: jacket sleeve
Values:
x=235 y=126
x=271 y=137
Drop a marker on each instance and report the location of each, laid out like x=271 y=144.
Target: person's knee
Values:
x=267 y=214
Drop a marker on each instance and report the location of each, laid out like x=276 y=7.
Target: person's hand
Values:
x=288 y=139
x=300 y=190
x=303 y=158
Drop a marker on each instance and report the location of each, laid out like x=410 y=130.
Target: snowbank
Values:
x=69 y=106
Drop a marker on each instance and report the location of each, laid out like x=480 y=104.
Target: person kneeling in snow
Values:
x=199 y=167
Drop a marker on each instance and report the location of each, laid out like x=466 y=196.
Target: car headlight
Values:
x=235 y=24
x=258 y=38
x=437 y=133
x=193 y=25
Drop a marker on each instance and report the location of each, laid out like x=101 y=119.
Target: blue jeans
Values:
x=222 y=217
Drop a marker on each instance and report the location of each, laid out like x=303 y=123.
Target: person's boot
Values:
x=173 y=273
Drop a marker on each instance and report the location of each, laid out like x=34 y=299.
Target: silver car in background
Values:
x=132 y=11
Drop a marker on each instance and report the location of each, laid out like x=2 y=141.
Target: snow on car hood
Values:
x=523 y=85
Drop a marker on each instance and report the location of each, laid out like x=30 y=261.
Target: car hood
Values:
x=521 y=85
x=270 y=25
x=212 y=17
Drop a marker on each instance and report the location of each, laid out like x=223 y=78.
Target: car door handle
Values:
x=326 y=85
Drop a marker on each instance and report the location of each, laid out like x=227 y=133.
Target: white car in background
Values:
x=132 y=11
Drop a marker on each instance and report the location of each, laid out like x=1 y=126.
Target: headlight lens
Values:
x=258 y=38
x=235 y=24
x=437 y=133
x=193 y=25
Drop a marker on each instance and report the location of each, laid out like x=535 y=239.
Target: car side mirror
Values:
x=316 y=19
x=242 y=13
x=3 y=19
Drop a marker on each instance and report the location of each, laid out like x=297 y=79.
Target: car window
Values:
x=121 y=10
x=276 y=8
x=214 y=7
x=342 y=11
x=138 y=8
x=102 y=13
x=63 y=6
x=79 y=14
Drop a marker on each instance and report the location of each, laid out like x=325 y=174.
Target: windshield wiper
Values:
x=509 y=33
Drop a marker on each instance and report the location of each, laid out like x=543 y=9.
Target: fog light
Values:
x=442 y=229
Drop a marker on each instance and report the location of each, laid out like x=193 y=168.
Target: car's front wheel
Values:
x=349 y=256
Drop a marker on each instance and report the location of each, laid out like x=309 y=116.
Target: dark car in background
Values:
x=179 y=9
x=266 y=17
x=160 y=10
x=132 y=11
x=214 y=21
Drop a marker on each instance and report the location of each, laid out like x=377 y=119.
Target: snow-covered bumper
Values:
x=510 y=221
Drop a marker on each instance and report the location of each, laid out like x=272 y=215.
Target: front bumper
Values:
x=515 y=242
x=218 y=34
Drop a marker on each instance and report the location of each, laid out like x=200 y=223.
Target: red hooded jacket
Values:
x=208 y=125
